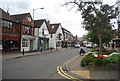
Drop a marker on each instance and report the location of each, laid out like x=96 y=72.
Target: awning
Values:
x=27 y=36
x=42 y=38
x=10 y=37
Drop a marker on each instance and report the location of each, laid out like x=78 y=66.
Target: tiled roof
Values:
x=38 y=23
x=6 y=16
x=20 y=17
x=63 y=29
x=53 y=28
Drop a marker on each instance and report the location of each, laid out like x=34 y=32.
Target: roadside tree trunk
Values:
x=100 y=42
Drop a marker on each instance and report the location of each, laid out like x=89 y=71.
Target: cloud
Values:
x=15 y=6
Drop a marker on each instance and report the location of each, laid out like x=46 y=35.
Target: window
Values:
x=29 y=19
x=43 y=32
x=2 y=22
x=59 y=36
x=6 y=24
x=10 y=24
x=24 y=43
x=27 y=30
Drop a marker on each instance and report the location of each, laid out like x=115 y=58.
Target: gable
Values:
x=22 y=17
x=59 y=30
x=54 y=28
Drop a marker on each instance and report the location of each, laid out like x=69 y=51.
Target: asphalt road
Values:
x=42 y=66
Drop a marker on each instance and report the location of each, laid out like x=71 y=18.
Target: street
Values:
x=41 y=66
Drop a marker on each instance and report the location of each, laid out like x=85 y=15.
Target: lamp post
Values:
x=36 y=9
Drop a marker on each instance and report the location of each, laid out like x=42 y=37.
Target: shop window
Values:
x=24 y=44
x=14 y=44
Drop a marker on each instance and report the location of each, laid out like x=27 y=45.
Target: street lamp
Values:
x=36 y=9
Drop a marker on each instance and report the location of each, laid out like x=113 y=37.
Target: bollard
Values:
x=41 y=50
x=23 y=52
x=51 y=48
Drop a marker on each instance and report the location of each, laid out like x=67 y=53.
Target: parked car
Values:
x=89 y=46
x=1 y=47
x=77 y=45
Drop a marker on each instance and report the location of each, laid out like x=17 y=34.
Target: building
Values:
x=10 y=30
x=42 y=35
x=27 y=31
x=69 y=39
x=56 y=35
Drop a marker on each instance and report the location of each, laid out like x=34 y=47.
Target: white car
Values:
x=89 y=46
x=1 y=47
x=77 y=45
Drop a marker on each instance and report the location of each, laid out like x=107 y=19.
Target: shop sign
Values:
x=30 y=37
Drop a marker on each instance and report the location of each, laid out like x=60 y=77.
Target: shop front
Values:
x=43 y=43
x=27 y=43
x=10 y=42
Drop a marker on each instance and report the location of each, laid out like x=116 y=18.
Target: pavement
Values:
x=16 y=54
x=73 y=70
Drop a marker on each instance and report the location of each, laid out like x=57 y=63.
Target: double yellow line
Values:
x=62 y=73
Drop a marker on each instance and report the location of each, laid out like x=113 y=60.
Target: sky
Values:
x=53 y=11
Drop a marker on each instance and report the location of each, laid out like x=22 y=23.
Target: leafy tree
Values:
x=96 y=17
x=107 y=37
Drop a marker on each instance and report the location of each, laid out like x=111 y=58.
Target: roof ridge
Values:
x=20 y=14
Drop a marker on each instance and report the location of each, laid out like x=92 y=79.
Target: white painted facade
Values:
x=53 y=41
x=119 y=10
x=27 y=43
x=39 y=33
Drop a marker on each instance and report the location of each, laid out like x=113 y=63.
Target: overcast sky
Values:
x=53 y=11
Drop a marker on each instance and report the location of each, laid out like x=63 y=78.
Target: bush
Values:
x=97 y=61
x=105 y=61
x=114 y=59
x=83 y=62
x=86 y=60
x=111 y=51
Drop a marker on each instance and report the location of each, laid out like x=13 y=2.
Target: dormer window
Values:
x=59 y=36
x=29 y=19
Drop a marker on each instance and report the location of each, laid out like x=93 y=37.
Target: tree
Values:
x=96 y=17
x=107 y=37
